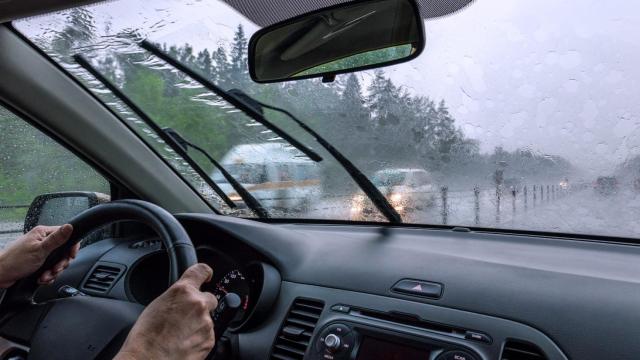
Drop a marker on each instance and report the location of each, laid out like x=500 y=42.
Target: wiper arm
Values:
x=149 y=122
x=381 y=203
x=233 y=100
x=246 y=196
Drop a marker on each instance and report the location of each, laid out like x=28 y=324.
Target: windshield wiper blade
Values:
x=246 y=196
x=381 y=202
x=233 y=100
x=80 y=60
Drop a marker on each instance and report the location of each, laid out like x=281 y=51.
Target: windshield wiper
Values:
x=251 y=107
x=246 y=196
x=80 y=60
x=235 y=101
x=381 y=202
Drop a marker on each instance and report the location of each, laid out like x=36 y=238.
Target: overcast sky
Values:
x=557 y=76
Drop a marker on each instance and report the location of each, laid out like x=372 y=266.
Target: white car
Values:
x=272 y=173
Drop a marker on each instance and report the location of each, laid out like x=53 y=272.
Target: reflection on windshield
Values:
x=519 y=117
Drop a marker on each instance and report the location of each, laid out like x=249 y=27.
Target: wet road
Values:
x=577 y=211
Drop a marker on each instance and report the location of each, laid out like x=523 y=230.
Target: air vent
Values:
x=102 y=278
x=519 y=350
x=295 y=335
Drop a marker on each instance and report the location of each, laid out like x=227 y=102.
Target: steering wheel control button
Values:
x=332 y=342
x=477 y=336
x=341 y=308
x=456 y=355
x=419 y=288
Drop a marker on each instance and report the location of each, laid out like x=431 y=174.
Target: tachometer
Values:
x=235 y=282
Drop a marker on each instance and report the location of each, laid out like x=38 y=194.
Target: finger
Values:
x=74 y=251
x=197 y=275
x=57 y=238
x=44 y=230
x=211 y=300
x=61 y=265
x=46 y=277
x=48 y=230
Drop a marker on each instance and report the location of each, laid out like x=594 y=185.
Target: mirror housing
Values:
x=57 y=208
x=348 y=37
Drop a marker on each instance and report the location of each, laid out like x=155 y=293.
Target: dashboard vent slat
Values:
x=102 y=278
x=295 y=335
x=519 y=350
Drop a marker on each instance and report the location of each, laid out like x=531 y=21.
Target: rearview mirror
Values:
x=58 y=208
x=344 y=38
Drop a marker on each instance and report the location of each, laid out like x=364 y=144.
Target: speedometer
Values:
x=234 y=282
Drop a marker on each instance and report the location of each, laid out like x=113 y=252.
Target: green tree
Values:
x=239 y=65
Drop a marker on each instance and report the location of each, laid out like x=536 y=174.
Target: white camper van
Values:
x=274 y=173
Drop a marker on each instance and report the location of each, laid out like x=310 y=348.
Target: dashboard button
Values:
x=341 y=308
x=339 y=330
x=456 y=355
x=332 y=342
x=477 y=336
x=419 y=288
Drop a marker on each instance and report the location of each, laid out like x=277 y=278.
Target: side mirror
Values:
x=344 y=38
x=58 y=208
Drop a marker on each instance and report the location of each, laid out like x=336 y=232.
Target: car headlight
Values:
x=357 y=203
x=396 y=197
x=357 y=199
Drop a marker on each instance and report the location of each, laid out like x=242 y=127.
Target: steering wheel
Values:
x=84 y=327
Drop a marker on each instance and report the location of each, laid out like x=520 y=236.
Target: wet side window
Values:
x=32 y=164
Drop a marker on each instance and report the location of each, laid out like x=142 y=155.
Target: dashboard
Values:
x=366 y=292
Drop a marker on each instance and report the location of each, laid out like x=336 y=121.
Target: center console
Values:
x=347 y=340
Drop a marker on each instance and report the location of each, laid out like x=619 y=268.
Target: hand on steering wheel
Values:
x=27 y=254
x=176 y=325
x=181 y=315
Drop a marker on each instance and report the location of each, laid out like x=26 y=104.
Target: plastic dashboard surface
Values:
x=572 y=299
x=582 y=295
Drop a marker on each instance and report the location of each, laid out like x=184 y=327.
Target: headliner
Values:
x=261 y=12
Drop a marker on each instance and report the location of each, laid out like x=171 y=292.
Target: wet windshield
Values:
x=518 y=115
x=388 y=178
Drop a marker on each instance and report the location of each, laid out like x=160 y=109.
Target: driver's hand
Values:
x=26 y=254
x=177 y=324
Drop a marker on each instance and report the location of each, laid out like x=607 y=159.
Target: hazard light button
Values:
x=419 y=288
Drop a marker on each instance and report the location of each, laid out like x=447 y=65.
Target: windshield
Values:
x=388 y=178
x=524 y=114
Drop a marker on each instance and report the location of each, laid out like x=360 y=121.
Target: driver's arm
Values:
x=27 y=253
x=177 y=324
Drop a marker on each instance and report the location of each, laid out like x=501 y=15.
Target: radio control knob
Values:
x=332 y=342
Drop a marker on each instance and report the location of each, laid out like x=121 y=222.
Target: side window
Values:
x=31 y=165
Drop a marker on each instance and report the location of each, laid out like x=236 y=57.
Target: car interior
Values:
x=303 y=287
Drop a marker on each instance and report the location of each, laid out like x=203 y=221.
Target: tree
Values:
x=205 y=64
x=220 y=67
x=239 y=65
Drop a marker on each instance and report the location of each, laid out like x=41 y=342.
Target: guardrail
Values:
x=525 y=197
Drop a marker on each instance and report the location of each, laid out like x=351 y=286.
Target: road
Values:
x=580 y=211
